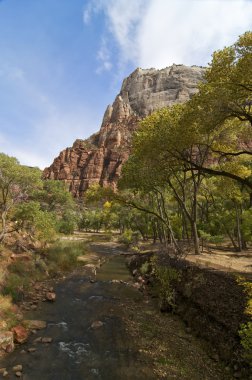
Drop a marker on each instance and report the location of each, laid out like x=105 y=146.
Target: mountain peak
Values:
x=99 y=159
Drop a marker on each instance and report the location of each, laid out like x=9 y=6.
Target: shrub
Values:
x=126 y=237
x=129 y=237
x=245 y=333
x=145 y=268
x=166 y=277
x=15 y=285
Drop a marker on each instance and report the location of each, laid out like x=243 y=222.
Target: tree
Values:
x=16 y=183
x=222 y=112
x=157 y=163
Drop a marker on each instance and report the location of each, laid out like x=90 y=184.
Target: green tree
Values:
x=222 y=112
x=16 y=183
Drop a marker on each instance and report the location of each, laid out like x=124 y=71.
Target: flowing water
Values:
x=106 y=351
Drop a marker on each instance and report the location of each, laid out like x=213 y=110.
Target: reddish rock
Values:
x=20 y=334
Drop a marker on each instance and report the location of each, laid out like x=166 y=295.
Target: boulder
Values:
x=20 y=334
x=7 y=341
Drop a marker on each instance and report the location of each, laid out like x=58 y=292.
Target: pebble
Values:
x=17 y=368
x=23 y=352
x=51 y=296
x=31 y=349
x=97 y=324
x=37 y=340
x=46 y=340
x=5 y=374
x=18 y=374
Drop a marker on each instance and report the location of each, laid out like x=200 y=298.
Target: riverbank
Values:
x=210 y=301
x=27 y=278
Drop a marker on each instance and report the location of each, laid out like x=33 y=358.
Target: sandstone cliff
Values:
x=99 y=159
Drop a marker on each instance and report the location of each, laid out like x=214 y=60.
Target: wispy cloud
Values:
x=157 y=33
x=47 y=127
x=104 y=57
x=13 y=73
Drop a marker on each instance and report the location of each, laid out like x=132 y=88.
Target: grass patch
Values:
x=20 y=273
x=8 y=315
x=64 y=256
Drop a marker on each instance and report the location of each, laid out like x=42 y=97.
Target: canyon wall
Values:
x=99 y=158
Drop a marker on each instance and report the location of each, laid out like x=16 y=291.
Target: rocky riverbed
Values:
x=101 y=326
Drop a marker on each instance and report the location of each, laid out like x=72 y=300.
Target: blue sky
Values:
x=62 y=61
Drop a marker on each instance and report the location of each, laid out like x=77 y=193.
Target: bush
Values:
x=19 y=277
x=245 y=333
x=126 y=237
x=15 y=285
x=129 y=237
x=145 y=268
x=166 y=277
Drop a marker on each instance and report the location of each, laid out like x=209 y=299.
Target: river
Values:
x=109 y=330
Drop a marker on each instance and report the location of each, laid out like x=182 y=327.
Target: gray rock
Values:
x=146 y=90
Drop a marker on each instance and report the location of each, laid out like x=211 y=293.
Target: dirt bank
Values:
x=210 y=302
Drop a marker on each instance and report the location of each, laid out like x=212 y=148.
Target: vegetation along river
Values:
x=109 y=330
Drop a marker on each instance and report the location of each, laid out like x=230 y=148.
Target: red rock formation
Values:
x=99 y=159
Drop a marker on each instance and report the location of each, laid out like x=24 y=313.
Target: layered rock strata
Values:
x=99 y=159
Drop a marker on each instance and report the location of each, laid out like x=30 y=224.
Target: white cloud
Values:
x=103 y=56
x=50 y=134
x=157 y=33
x=48 y=128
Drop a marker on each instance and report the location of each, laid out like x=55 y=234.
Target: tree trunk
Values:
x=195 y=238
x=3 y=218
x=238 y=226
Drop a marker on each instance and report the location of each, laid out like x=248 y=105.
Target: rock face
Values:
x=99 y=159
